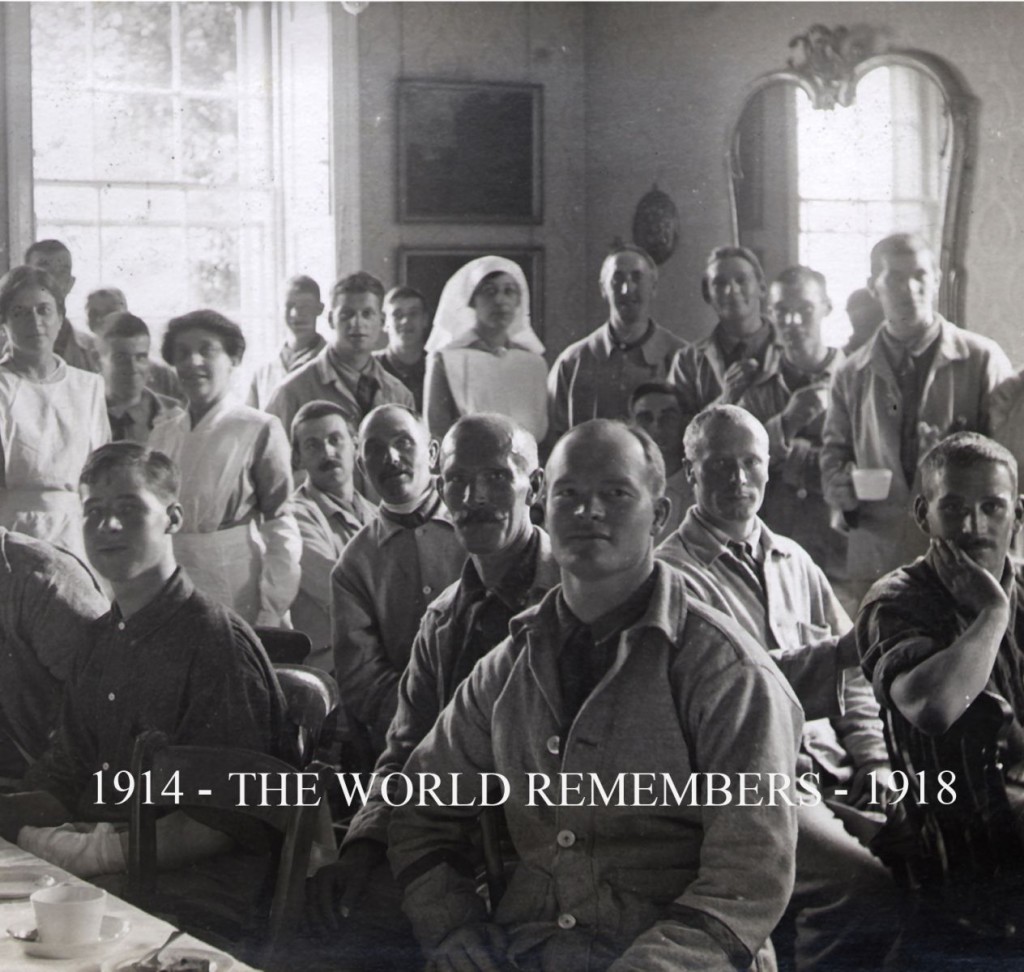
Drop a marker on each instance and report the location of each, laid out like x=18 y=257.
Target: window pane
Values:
x=208 y=45
x=210 y=131
x=213 y=267
x=62 y=134
x=58 y=54
x=134 y=137
x=133 y=43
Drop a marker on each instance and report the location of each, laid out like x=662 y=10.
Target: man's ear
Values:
x=921 y=513
x=689 y=472
x=361 y=466
x=536 y=486
x=662 y=511
x=1018 y=513
x=705 y=290
x=175 y=517
x=330 y=318
x=434 y=456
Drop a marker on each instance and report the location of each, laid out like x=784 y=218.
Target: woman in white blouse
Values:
x=239 y=541
x=51 y=415
x=485 y=355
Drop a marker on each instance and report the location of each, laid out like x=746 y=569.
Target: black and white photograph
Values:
x=511 y=486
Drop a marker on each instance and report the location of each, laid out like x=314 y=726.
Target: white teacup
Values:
x=69 y=914
x=871 y=484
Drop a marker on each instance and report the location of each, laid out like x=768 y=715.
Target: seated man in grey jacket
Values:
x=845 y=901
x=613 y=691
x=489 y=477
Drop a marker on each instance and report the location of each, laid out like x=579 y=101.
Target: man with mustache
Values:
x=390 y=570
x=595 y=377
x=845 y=902
x=329 y=512
x=918 y=379
x=615 y=671
x=489 y=478
x=942 y=639
x=742 y=351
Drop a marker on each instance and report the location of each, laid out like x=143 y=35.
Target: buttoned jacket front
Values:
x=799 y=624
x=619 y=886
x=863 y=427
x=380 y=589
x=595 y=377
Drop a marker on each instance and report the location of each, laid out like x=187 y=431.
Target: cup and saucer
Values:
x=70 y=923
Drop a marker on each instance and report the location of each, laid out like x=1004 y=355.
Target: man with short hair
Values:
x=654 y=407
x=793 y=411
x=302 y=307
x=845 y=901
x=407 y=326
x=390 y=570
x=47 y=600
x=345 y=372
x=916 y=381
x=594 y=377
x=865 y=315
x=614 y=672
x=164 y=657
x=133 y=408
x=329 y=512
x=102 y=302
x=77 y=348
x=742 y=350
x=162 y=379
x=942 y=639
x=489 y=478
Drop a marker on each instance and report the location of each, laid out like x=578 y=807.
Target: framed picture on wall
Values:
x=427 y=268
x=469 y=152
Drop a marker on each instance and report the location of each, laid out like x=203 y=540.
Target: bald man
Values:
x=845 y=902
x=614 y=672
x=489 y=479
x=391 y=569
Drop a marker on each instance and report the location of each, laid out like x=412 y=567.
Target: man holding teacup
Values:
x=919 y=378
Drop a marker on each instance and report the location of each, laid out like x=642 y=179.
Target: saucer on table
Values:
x=218 y=961
x=112 y=930
x=20 y=882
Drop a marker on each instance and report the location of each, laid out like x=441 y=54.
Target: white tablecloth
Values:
x=146 y=931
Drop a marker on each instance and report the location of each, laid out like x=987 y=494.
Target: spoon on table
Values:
x=151 y=961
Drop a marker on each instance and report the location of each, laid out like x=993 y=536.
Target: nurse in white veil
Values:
x=239 y=542
x=484 y=355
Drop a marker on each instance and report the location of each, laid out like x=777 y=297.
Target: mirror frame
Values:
x=834 y=63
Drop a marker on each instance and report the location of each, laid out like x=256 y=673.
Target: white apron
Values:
x=48 y=430
x=224 y=564
x=512 y=382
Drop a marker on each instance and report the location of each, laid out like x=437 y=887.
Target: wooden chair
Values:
x=285 y=646
x=313 y=703
x=203 y=782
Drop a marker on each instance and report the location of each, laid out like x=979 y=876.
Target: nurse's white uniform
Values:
x=47 y=430
x=239 y=542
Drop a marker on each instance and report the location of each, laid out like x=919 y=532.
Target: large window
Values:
x=168 y=157
x=866 y=171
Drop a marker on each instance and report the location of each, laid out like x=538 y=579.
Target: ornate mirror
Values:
x=845 y=146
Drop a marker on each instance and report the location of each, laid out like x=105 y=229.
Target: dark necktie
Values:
x=120 y=425
x=366 y=392
x=747 y=568
x=906 y=381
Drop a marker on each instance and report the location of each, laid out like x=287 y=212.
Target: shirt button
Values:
x=106 y=766
x=110 y=698
x=565 y=838
x=120 y=626
x=566 y=922
x=427 y=589
x=801 y=493
x=553 y=745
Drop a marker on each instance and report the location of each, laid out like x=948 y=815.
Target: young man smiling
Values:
x=345 y=372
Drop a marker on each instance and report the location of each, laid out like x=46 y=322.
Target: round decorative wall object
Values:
x=656 y=225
